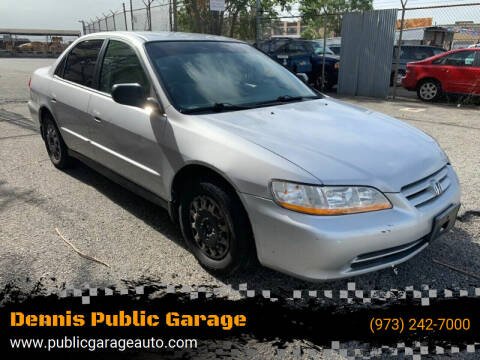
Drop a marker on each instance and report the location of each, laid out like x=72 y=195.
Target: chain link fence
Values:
x=175 y=15
x=452 y=26
x=446 y=27
x=152 y=17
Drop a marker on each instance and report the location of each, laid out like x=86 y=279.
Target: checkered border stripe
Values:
x=351 y=295
x=413 y=351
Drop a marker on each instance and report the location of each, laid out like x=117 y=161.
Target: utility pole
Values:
x=399 y=46
x=258 y=21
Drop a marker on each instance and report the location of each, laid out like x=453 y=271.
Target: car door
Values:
x=70 y=94
x=476 y=74
x=457 y=72
x=127 y=139
x=278 y=50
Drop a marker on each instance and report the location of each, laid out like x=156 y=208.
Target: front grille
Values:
x=422 y=191
x=386 y=256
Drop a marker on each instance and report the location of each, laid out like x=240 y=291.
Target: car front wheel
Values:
x=215 y=227
x=429 y=90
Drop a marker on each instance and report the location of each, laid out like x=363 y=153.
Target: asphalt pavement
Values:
x=137 y=239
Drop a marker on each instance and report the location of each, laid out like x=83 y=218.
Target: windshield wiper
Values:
x=286 y=98
x=217 y=107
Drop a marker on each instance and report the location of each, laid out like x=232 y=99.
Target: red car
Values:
x=453 y=72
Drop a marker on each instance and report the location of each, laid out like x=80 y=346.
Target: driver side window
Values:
x=121 y=65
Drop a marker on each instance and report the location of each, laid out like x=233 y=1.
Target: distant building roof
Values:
x=418 y=33
x=40 y=32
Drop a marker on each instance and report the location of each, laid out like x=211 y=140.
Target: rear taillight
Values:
x=29 y=81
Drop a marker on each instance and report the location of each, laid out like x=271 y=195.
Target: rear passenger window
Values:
x=60 y=67
x=80 y=65
x=462 y=58
x=121 y=66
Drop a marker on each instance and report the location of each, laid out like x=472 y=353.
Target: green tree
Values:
x=315 y=12
x=238 y=19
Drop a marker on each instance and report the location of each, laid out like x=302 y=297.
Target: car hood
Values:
x=338 y=143
x=327 y=57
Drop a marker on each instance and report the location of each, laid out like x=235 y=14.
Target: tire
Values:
x=327 y=86
x=56 y=148
x=215 y=227
x=429 y=90
x=401 y=73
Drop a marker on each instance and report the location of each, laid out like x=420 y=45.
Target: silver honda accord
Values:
x=247 y=158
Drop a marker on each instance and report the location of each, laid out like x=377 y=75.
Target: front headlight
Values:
x=328 y=200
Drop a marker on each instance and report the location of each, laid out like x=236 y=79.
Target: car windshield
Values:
x=222 y=76
x=437 y=51
x=318 y=48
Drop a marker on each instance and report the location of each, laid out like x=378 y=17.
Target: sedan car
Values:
x=454 y=72
x=410 y=53
x=249 y=160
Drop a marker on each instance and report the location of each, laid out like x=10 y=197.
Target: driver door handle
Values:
x=96 y=116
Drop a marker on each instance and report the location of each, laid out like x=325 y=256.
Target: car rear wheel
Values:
x=215 y=227
x=429 y=90
x=56 y=148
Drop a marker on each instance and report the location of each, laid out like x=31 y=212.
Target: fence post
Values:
x=83 y=27
x=114 y=24
x=106 y=21
x=324 y=48
x=258 y=20
x=149 y=15
x=174 y=5
x=131 y=14
x=399 y=46
x=125 y=16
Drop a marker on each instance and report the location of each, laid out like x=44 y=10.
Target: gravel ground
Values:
x=139 y=242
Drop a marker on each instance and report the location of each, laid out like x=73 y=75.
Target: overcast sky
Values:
x=55 y=14
x=64 y=14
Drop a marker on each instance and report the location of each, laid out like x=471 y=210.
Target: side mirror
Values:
x=303 y=77
x=129 y=94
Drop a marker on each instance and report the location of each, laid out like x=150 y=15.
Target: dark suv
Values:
x=306 y=56
x=411 y=53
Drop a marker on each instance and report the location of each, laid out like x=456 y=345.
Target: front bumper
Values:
x=330 y=247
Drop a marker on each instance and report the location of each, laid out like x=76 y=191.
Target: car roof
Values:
x=146 y=36
x=421 y=46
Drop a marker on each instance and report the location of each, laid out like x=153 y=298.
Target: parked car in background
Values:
x=454 y=72
x=295 y=61
x=410 y=53
x=250 y=161
x=292 y=52
x=335 y=48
